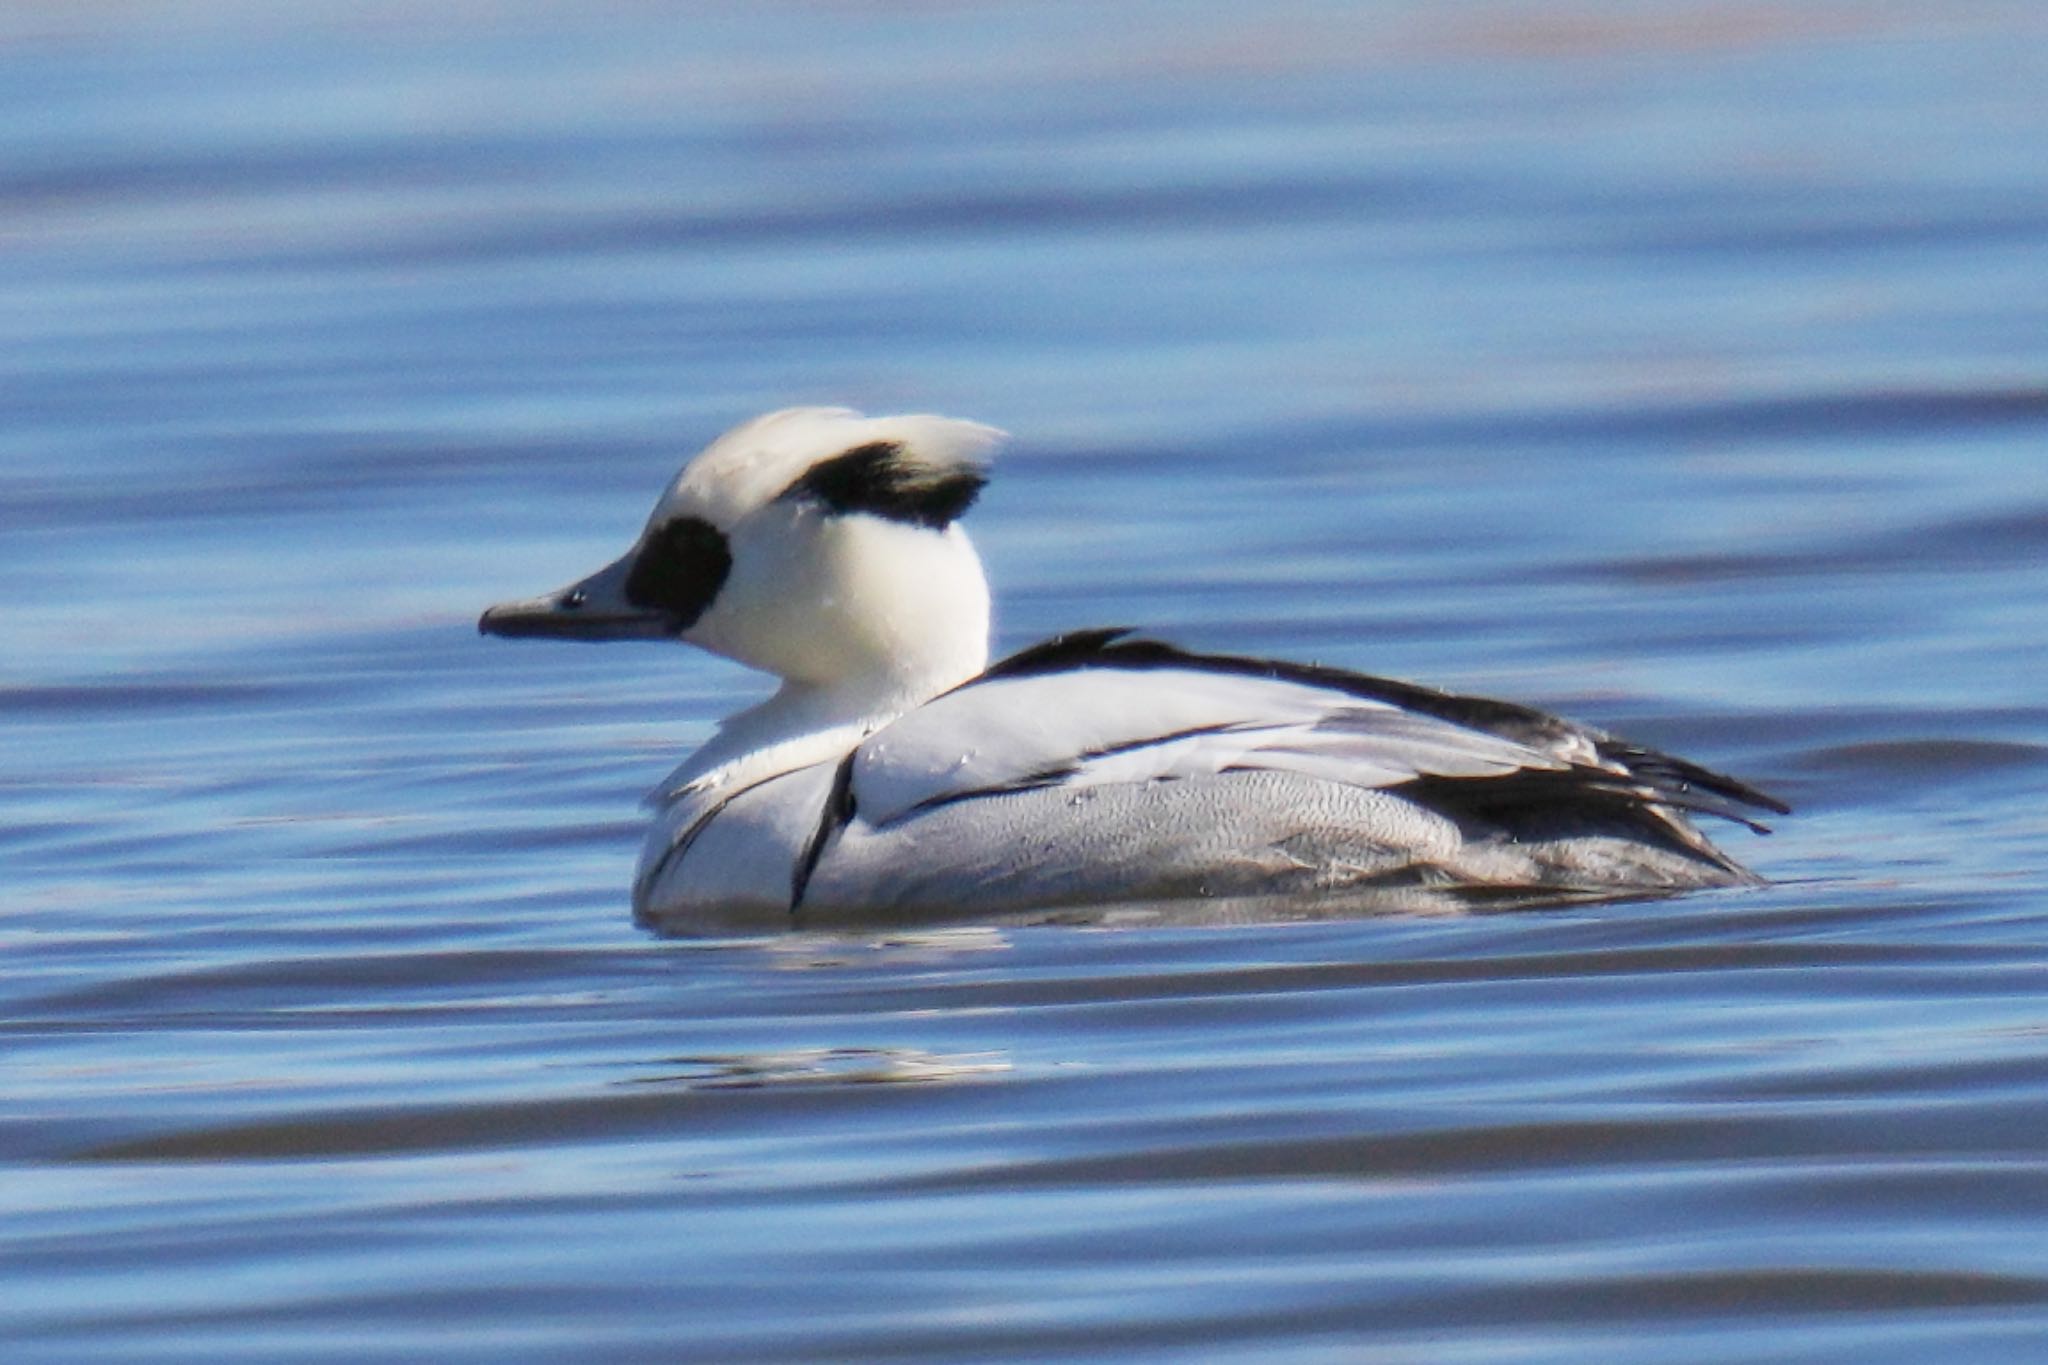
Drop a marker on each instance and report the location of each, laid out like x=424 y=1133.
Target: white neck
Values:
x=800 y=725
x=861 y=619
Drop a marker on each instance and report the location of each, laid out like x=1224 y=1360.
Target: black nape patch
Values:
x=679 y=570
x=879 y=479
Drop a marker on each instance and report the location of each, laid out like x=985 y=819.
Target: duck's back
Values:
x=1096 y=769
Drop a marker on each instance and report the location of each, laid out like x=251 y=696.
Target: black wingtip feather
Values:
x=1680 y=778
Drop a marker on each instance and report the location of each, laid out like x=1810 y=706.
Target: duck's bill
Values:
x=593 y=609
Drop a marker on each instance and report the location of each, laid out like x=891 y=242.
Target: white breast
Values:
x=733 y=850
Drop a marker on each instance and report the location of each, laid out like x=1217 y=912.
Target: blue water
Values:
x=1679 y=366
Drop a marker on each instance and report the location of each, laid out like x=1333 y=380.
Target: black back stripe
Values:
x=1071 y=649
x=1110 y=649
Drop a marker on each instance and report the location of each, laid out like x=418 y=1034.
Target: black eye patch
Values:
x=679 y=570
x=881 y=480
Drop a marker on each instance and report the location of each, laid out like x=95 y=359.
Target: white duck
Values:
x=896 y=771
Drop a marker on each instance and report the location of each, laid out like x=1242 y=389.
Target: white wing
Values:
x=1091 y=726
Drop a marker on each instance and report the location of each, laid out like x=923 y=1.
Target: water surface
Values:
x=1683 y=367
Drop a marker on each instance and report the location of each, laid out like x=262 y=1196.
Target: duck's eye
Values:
x=572 y=600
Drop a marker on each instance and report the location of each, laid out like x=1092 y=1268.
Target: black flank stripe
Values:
x=836 y=815
x=682 y=842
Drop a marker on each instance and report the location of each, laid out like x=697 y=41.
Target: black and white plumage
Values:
x=896 y=771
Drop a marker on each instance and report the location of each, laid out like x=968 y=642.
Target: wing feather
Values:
x=1093 y=727
x=1095 y=708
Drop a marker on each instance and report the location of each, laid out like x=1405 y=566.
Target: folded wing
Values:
x=1095 y=708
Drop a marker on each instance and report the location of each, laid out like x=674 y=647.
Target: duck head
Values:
x=815 y=544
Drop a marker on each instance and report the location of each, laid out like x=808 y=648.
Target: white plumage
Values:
x=895 y=772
